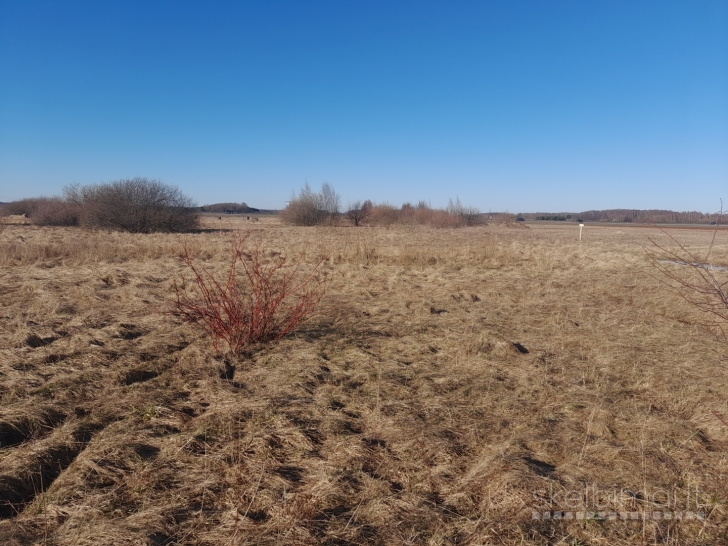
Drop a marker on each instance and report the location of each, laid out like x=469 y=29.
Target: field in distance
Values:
x=502 y=384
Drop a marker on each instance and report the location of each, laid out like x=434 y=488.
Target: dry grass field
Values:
x=454 y=383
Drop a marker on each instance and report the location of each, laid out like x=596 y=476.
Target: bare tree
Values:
x=693 y=277
x=359 y=211
x=330 y=200
x=310 y=208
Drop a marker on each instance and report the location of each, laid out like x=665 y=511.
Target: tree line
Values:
x=137 y=205
x=324 y=207
x=636 y=216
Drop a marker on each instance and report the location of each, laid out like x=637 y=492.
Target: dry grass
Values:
x=410 y=413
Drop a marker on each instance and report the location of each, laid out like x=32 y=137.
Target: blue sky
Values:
x=519 y=106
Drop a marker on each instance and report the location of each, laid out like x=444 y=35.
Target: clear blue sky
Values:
x=519 y=106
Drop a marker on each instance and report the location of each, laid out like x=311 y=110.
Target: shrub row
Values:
x=137 y=205
x=310 y=208
x=43 y=211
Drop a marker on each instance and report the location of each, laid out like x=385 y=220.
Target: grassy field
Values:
x=456 y=386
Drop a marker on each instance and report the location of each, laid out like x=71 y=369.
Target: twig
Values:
x=701 y=287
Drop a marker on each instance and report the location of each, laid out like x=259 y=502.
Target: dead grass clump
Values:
x=19 y=219
x=266 y=302
x=28 y=423
x=28 y=245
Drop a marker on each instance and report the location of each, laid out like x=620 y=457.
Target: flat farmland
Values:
x=501 y=384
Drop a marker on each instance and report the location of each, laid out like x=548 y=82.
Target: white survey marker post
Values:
x=580 y=228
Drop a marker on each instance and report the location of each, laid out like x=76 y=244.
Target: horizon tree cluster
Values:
x=136 y=205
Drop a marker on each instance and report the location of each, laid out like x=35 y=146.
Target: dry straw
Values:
x=457 y=380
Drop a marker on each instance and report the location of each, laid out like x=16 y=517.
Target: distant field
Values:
x=459 y=385
x=572 y=223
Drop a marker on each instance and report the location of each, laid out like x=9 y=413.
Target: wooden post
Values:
x=581 y=226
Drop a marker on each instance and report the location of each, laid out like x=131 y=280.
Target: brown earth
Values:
x=455 y=382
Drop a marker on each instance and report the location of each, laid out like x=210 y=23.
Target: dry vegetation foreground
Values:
x=456 y=382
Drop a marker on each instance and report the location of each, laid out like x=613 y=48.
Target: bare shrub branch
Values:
x=263 y=302
x=45 y=211
x=470 y=215
x=55 y=211
x=702 y=285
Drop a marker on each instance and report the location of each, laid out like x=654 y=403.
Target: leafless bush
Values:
x=422 y=214
x=470 y=215
x=310 y=208
x=409 y=214
x=693 y=277
x=444 y=219
x=44 y=211
x=383 y=215
x=55 y=211
x=137 y=205
x=263 y=303
x=21 y=207
x=358 y=211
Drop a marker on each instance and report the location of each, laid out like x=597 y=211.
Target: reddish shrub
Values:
x=263 y=302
